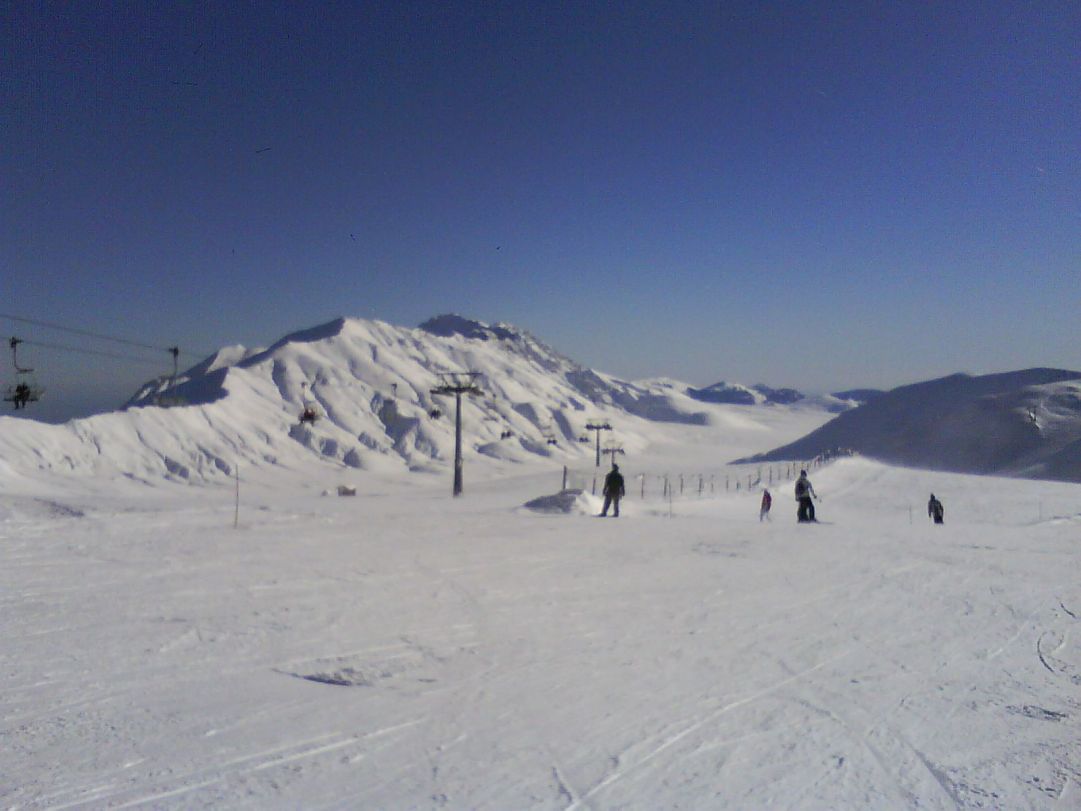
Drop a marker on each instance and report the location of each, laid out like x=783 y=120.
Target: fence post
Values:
x=681 y=484
x=564 y=477
x=236 y=512
x=700 y=485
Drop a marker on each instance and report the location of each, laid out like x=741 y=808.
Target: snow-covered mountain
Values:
x=858 y=396
x=761 y=394
x=735 y=394
x=370 y=384
x=1025 y=423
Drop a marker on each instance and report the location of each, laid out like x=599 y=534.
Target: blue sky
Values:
x=810 y=195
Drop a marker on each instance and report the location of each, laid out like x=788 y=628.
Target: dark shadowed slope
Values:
x=1025 y=423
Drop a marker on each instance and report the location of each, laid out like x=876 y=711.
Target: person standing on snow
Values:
x=767 y=502
x=804 y=495
x=613 y=491
x=935 y=509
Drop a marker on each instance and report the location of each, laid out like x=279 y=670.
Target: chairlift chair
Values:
x=25 y=389
x=310 y=412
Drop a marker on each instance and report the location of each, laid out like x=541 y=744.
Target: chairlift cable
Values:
x=96 y=352
x=98 y=335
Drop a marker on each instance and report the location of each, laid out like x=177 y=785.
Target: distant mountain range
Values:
x=368 y=387
x=760 y=394
x=1025 y=423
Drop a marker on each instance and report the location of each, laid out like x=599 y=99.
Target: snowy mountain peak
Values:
x=450 y=324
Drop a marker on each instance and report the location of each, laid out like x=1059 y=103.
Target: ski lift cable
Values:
x=96 y=352
x=99 y=336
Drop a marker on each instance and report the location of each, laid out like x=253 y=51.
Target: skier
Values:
x=613 y=491
x=804 y=495
x=22 y=395
x=935 y=509
x=767 y=502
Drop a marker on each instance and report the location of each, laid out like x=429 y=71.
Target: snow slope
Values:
x=1025 y=423
x=402 y=649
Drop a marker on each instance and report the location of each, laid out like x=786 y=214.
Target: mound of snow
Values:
x=564 y=502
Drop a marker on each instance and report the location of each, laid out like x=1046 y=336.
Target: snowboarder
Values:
x=935 y=509
x=613 y=491
x=804 y=495
x=767 y=502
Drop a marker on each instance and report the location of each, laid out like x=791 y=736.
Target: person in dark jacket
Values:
x=804 y=495
x=613 y=491
x=935 y=510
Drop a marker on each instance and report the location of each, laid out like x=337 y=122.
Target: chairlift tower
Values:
x=598 y=426
x=611 y=449
x=457 y=383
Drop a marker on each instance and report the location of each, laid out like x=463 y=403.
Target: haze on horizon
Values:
x=822 y=199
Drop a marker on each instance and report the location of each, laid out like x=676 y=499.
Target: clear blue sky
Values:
x=813 y=195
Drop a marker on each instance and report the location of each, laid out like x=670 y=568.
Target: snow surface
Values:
x=507 y=649
x=403 y=649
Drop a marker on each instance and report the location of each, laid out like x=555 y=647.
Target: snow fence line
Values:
x=664 y=487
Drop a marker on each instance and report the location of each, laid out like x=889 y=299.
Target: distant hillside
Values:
x=738 y=394
x=859 y=396
x=1025 y=423
x=369 y=384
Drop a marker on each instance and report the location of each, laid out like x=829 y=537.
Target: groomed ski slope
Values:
x=401 y=649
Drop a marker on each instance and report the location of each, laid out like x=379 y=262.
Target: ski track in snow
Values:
x=694 y=727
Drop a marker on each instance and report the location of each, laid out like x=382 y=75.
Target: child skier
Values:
x=767 y=502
